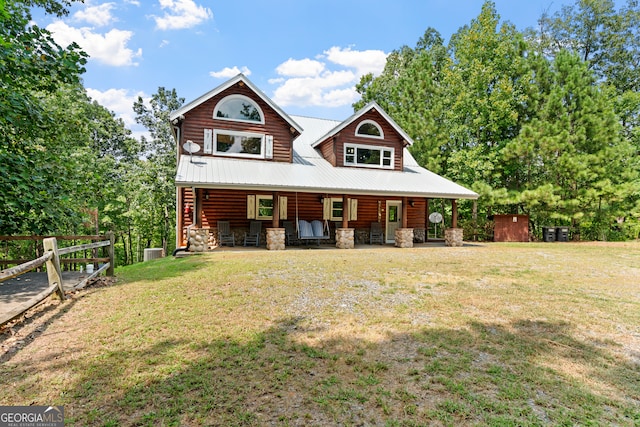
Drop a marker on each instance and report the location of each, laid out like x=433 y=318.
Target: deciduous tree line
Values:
x=65 y=159
x=542 y=122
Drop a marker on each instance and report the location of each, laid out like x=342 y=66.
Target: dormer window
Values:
x=369 y=129
x=368 y=156
x=238 y=108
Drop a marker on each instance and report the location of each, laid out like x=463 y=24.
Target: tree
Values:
x=574 y=161
x=410 y=90
x=32 y=69
x=157 y=195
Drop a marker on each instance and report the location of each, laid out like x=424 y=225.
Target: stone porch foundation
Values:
x=198 y=239
x=453 y=237
x=345 y=238
x=404 y=237
x=275 y=239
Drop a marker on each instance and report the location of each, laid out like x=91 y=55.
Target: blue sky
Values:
x=306 y=55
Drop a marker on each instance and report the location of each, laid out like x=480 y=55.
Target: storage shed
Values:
x=511 y=228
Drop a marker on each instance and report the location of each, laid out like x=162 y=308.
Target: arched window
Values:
x=369 y=129
x=240 y=108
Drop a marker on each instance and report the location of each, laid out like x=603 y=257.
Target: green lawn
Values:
x=492 y=334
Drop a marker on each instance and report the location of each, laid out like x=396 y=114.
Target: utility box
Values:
x=511 y=228
x=153 y=253
x=562 y=234
x=548 y=234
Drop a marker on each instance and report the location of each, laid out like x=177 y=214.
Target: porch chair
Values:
x=376 y=235
x=225 y=236
x=253 y=236
x=290 y=233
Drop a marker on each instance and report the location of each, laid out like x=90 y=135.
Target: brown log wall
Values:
x=201 y=117
x=231 y=205
x=333 y=149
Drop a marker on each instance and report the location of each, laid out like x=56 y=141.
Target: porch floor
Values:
x=432 y=243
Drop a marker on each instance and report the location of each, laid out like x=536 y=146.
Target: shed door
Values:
x=394 y=219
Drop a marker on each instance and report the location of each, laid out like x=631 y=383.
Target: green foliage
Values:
x=531 y=126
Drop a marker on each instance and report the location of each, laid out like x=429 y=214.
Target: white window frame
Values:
x=260 y=197
x=234 y=133
x=244 y=99
x=368 y=147
x=363 y=135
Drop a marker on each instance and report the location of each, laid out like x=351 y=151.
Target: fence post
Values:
x=53 y=265
x=111 y=250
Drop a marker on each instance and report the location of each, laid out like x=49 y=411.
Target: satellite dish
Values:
x=435 y=218
x=191 y=147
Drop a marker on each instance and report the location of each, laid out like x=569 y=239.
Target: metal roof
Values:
x=310 y=172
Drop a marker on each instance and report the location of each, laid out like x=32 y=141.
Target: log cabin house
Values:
x=242 y=159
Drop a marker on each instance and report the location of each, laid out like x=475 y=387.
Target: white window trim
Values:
x=244 y=98
x=263 y=197
x=364 y=122
x=216 y=132
x=369 y=147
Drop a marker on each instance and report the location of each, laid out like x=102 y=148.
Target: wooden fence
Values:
x=51 y=259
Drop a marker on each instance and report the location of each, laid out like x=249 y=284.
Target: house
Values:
x=242 y=159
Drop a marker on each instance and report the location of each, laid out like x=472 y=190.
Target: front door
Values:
x=394 y=219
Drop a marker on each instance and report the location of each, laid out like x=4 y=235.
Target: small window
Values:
x=238 y=108
x=264 y=205
x=336 y=209
x=243 y=144
x=369 y=129
x=368 y=156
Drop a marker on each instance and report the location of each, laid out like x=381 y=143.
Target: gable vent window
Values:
x=238 y=108
x=368 y=156
x=369 y=129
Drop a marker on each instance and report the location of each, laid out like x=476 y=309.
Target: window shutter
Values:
x=326 y=208
x=268 y=150
x=251 y=206
x=353 y=209
x=283 y=207
x=208 y=141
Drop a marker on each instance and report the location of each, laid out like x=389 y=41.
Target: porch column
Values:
x=454 y=236
x=345 y=235
x=345 y=211
x=405 y=212
x=275 y=222
x=454 y=213
x=426 y=220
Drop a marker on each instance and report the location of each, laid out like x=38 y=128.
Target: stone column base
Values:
x=275 y=239
x=198 y=239
x=404 y=237
x=453 y=237
x=344 y=238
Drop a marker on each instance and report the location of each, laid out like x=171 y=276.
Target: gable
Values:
x=209 y=122
x=348 y=144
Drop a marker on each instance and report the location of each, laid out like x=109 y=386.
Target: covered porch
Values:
x=347 y=219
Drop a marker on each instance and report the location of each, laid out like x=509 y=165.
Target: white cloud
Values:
x=98 y=16
x=326 y=90
x=180 y=14
x=364 y=61
x=300 y=68
x=109 y=48
x=164 y=43
x=121 y=101
x=227 y=72
x=327 y=81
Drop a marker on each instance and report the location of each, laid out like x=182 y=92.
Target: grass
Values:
x=494 y=334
